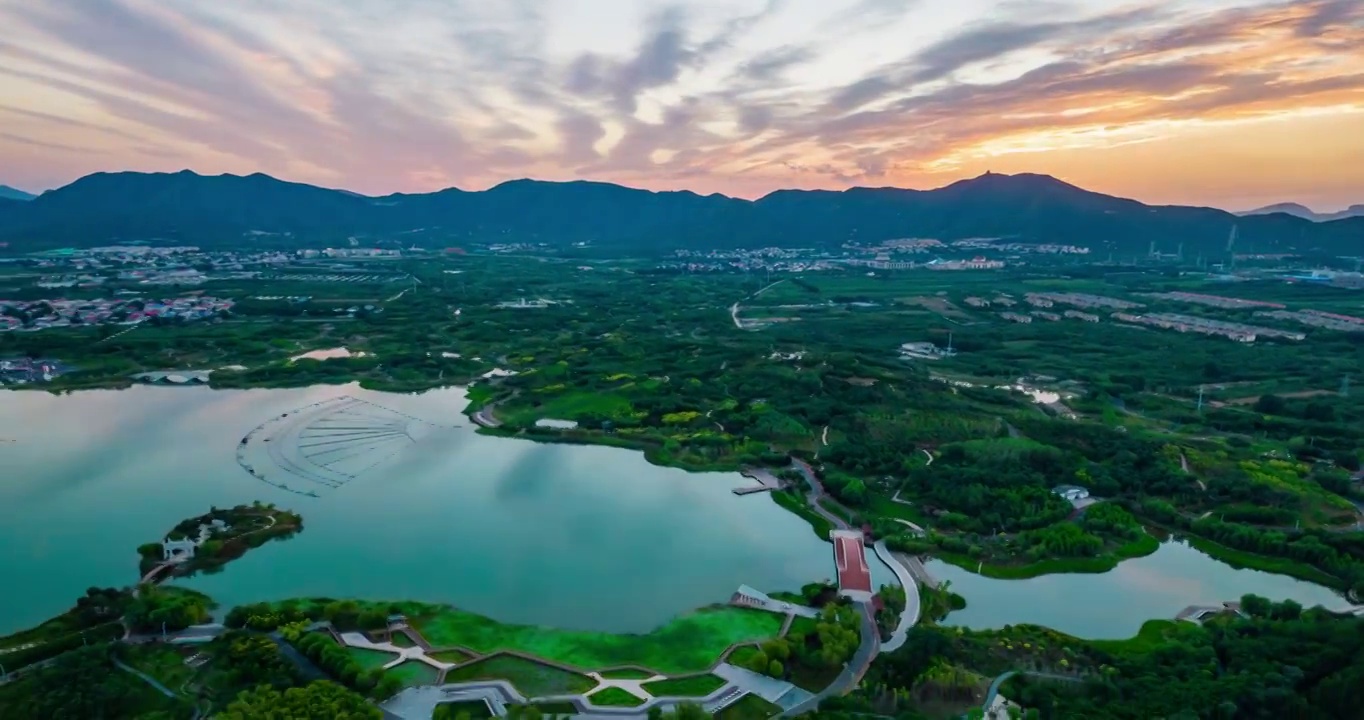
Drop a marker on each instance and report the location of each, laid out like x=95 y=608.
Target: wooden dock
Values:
x=766 y=481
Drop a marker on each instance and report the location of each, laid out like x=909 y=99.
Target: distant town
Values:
x=35 y=315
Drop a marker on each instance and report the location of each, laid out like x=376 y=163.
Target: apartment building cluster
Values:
x=1217 y=301
x=1317 y=318
x=34 y=315
x=1080 y=300
x=1187 y=323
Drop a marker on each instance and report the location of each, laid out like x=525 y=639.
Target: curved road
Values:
x=994 y=686
x=816 y=492
x=910 y=616
x=145 y=678
x=871 y=640
x=853 y=671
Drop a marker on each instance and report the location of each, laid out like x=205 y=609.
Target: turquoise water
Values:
x=1116 y=603
x=569 y=536
x=563 y=535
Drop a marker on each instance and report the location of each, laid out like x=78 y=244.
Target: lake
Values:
x=1116 y=603
x=564 y=535
x=402 y=500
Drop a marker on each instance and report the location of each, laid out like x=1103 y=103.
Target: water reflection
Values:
x=1116 y=603
x=573 y=536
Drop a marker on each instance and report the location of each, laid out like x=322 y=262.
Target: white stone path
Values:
x=633 y=686
x=358 y=640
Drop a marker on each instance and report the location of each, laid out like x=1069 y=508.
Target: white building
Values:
x=1071 y=493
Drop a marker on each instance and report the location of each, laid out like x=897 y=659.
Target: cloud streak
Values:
x=740 y=97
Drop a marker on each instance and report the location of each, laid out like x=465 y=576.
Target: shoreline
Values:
x=484 y=403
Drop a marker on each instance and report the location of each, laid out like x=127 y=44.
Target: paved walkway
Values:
x=994 y=686
x=910 y=616
x=145 y=677
x=746 y=596
x=419 y=702
x=778 y=692
x=416 y=653
x=917 y=529
x=816 y=492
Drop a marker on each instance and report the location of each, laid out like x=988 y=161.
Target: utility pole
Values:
x=1345 y=386
x=1200 y=400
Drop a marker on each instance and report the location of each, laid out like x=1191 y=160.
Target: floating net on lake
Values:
x=327 y=444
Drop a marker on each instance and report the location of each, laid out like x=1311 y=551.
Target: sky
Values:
x=1229 y=103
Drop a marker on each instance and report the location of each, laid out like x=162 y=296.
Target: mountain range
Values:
x=1306 y=213
x=229 y=211
x=9 y=193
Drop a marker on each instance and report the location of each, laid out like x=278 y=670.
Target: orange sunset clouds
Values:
x=1218 y=102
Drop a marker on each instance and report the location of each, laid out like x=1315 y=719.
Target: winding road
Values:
x=815 y=492
x=910 y=616
x=994 y=686
x=871 y=641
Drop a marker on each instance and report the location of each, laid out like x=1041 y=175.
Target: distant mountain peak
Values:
x=1302 y=211
x=10 y=193
x=233 y=211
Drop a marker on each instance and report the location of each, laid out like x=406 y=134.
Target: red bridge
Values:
x=854 y=576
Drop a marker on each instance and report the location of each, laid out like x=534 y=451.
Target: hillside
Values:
x=1306 y=213
x=229 y=210
x=9 y=193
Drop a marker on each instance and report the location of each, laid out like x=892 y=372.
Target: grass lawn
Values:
x=695 y=686
x=568 y=406
x=454 y=657
x=531 y=678
x=475 y=709
x=801 y=626
x=1152 y=635
x=163 y=662
x=750 y=707
x=402 y=640
x=797 y=505
x=691 y=643
x=548 y=709
x=370 y=658
x=886 y=507
x=627 y=674
x=614 y=697
x=414 y=673
x=742 y=656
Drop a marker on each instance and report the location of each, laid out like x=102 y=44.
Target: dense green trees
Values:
x=336 y=662
x=320 y=700
x=253 y=660
x=82 y=685
x=157 y=607
x=1279 y=662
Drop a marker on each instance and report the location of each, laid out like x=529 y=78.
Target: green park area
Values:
x=614 y=697
x=533 y=679
x=649 y=358
x=690 y=643
x=690 y=686
x=413 y=673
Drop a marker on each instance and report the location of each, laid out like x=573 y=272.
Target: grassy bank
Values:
x=797 y=505
x=531 y=678
x=653 y=452
x=1250 y=561
x=1095 y=565
x=691 y=643
x=694 y=686
x=614 y=697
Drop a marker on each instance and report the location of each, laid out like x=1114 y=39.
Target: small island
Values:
x=210 y=541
